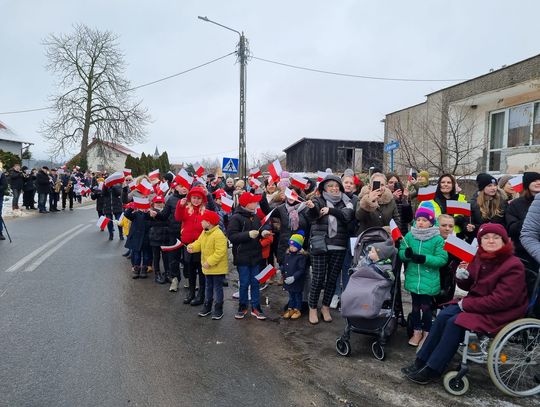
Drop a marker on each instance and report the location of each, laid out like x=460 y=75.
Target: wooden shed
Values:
x=311 y=155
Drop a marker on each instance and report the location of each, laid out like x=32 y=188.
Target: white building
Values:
x=11 y=142
x=107 y=156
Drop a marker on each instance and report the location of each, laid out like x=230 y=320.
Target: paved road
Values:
x=76 y=330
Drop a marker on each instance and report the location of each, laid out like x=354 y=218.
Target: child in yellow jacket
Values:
x=125 y=224
x=212 y=244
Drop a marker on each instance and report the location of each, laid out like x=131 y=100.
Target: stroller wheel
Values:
x=343 y=347
x=378 y=350
x=410 y=329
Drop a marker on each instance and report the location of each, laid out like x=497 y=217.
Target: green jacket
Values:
x=424 y=278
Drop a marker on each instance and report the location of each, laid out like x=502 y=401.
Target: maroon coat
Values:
x=497 y=292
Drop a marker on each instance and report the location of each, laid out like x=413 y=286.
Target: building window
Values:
x=519 y=125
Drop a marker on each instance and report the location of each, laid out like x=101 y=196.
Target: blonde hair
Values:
x=240 y=184
x=190 y=208
x=446 y=216
x=489 y=208
x=378 y=175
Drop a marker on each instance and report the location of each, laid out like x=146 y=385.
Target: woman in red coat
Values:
x=497 y=295
x=188 y=212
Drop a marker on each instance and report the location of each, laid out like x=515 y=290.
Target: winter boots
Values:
x=159 y=277
x=199 y=299
x=136 y=272
x=206 y=309
x=191 y=294
x=218 y=311
x=144 y=272
x=174 y=285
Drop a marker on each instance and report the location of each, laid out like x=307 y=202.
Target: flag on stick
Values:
x=266 y=274
x=517 y=183
x=141 y=203
x=275 y=170
x=292 y=195
x=394 y=230
x=102 y=222
x=126 y=172
x=164 y=187
x=321 y=175
x=145 y=187
x=226 y=203
x=115 y=178
x=175 y=246
x=255 y=172
x=199 y=169
x=298 y=181
x=427 y=193
x=458 y=208
x=459 y=248
x=154 y=174
x=184 y=179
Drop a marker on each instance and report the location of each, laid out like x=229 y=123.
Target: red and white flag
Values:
x=102 y=222
x=126 y=172
x=427 y=193
x=115 y=178
x=267 y=217
x=132 y=185
x=266 y=274
x=164 y=187
x=121 y=218
x=199 y=169
x=458 y=208
x=226 y=203
x=100 y=186
x=298 y=181
x=517 y=183
x=154 y=174
x=175 y=246
x=321 y=175
x=410 y=177
x=145 y=187
x=184 y=179
x=460 y=248
x=255 y=172
x=292 y=195
x=255 y=183
x=275 y=170
x=394 y=230
x=141 y=203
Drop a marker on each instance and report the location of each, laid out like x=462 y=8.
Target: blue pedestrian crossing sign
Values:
x=230 y=165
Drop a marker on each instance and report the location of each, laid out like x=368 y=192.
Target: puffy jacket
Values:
x=515 y=215
x=319 y=224
x=112 y=199
x=125 y=224
x=191 y=222
x=16 y=180
x=530 y=232
x=97 y=196
x=29 y=183
x=138 y=232
x=42 y=182
x=376 y=214
x=159 y=232
x=294 y=265
x=212 y=244
x=285 y=229
x=246 y=251
x=424 y=278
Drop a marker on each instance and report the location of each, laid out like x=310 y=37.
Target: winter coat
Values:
x=125 y=224
x=352 y=226
x=476 y=216
x=167 y=214
x=112 y=199
x=246 y=251
x=439 y=204
x=285 y=231
x=424 y=278
x=29 y=183
x=530 y=232
x=496 y=292
x=376 y=214
x=16 y=179
x=212 y=244
x=515 y=215
x=319 y=224
x=42 y=182
x=191 y=222
x=97 y=196
x=406 y=215
x=139 y=230
x=266 y=244
x=159 y=232
x=294 y=265
x=3 y=185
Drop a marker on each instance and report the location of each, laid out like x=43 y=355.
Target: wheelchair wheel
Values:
x=514 y=358
x=456 y=387
x=343 y=347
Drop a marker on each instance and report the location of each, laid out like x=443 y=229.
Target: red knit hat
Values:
x=211 y=217
x=197 y=191
x=493 y=228
x=247 y=197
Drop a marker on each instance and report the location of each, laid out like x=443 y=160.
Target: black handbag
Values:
x=317 y=245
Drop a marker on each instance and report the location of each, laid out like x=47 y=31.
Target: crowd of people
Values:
x=303 y=228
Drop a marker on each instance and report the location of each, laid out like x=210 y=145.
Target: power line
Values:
x=138 y=86
x=378 y=78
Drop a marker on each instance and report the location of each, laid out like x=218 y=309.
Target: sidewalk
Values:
x=9 y=213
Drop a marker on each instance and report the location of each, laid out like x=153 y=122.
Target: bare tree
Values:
x=93 y=97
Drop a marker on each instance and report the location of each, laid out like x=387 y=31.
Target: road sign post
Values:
x=389 y=148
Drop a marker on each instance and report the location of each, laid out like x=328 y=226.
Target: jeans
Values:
x=42 y=200
x=15 y=202
x=110 y=225
x=247 y=279
x=295 y=300
x=214 y=285
x=144 y=255
x=443 y=339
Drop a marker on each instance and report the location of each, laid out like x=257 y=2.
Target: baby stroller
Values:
x=385 y=322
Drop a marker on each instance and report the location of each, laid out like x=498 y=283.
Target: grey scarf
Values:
x=294 y=220
x=332 y=200
x=424 y=234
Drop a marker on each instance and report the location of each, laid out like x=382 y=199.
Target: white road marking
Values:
x=51 y=243
x=86 y=207
x=38 y=262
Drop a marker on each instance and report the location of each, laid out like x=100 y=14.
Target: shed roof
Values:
x=8 y=134
x=329 y=139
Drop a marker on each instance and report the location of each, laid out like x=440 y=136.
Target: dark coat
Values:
x=16 y=179
x=376 y=214
x=515 y=215
x=497 y=294
x=29 y=183
x=139 y=230
x=112 y=199
x=167 y=214
x=294 y=265
x=97 y=196
x=42 y=182
x=285 y=229
x=159 y=232
x=246 y=251
x=3 y=185
x=319 y=224
x=476 y=216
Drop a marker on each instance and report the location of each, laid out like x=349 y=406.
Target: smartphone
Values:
x=398 y=186
x=414 y=175
x=376 y=185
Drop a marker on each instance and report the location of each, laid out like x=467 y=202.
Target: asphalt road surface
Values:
x=76 y=330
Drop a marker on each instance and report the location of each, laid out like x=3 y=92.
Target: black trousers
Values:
x=53 y=200
x=66 y=196
x=157 y=255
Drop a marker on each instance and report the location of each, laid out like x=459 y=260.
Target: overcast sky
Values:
x=196 y=115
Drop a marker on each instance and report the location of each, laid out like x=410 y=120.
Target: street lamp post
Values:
x=242 y=52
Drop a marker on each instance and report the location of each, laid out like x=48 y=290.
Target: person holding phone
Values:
x=401 y=196
x=376 y=205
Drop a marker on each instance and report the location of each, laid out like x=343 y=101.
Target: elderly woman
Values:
x=330 y=214
x=497 y=295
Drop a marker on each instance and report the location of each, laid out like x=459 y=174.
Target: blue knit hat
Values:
x=297 y=239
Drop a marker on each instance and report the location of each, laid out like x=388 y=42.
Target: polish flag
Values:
x=121 y=218
x=255 y=183
x=102 y=222
x=145 y=187
x=275 y=170
x=394 y=230
x=100 y=186
x=141 y=203
x=255 y=172
x=298 y=181
x=115 y=178
x=175 y=246
x=266 y=274
x=126 y=172
x=226 y=203
x=410 y=177
x=199 y=169
x=292 y=195
x=184 y=179
x=517 y=183
x=265 y=219
x=132 y=185
x=154 y=174
x=164 y=187
x=427 y=193
x=458 y=208
x=321 y=175
x=459 y=248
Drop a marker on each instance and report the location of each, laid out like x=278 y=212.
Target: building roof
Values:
x=329 y=139
x=8 y=134
x=118 y=147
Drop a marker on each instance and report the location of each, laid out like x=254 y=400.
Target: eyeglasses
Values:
x=485 y=238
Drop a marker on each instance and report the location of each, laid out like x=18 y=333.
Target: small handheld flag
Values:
x=266 y=274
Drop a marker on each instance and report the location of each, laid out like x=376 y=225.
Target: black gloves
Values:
x=418 y=258
x=408 y=253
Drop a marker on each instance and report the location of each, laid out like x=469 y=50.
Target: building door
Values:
x=358 y=152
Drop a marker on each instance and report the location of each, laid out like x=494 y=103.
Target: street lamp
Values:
x=242 y=52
